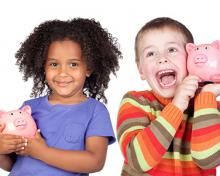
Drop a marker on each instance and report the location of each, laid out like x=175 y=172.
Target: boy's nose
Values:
x=162 y=60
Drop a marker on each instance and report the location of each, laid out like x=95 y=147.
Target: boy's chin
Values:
x=166 y=93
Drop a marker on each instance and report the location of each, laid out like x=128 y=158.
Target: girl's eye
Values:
x=53 y=64
x=73 y=64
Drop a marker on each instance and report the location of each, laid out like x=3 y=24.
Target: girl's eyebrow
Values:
x=53 y=59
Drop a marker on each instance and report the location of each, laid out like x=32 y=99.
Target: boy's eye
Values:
x=150 y=54
x=172 y=50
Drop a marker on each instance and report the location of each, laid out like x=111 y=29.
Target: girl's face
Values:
x=66 y=71
x=162 y=61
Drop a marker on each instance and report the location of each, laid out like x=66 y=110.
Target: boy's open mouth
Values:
x=166 y=78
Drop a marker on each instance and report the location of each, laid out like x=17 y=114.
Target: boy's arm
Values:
x=144 y=141
x=206 y=131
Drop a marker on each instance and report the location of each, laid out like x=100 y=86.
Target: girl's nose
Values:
x=63 y=71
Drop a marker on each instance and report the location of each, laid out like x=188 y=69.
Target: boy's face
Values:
x=162 y=60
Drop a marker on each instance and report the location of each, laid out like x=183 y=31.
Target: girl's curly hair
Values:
x=99 y=48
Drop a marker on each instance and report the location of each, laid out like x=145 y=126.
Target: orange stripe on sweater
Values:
x=145 y=150
x=202 y=138
x=206 y=144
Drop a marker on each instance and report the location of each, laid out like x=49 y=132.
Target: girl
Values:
x=71 y=62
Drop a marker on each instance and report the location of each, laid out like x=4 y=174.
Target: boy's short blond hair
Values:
x=160 y=23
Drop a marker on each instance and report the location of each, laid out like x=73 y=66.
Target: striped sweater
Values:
x=156 y=138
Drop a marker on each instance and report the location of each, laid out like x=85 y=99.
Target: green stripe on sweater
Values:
x=141 y=160
x=206 y=153
x=205 y=112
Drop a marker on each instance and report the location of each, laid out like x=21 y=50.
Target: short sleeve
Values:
x=100 y=124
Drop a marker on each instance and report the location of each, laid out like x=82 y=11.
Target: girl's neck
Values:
x=53 y=99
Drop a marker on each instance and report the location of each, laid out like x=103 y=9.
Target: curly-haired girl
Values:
x=71 y=62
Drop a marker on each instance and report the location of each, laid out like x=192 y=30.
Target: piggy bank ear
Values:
x=189 y=47
x=1 y=112
x=27 y=109
x=216 y=44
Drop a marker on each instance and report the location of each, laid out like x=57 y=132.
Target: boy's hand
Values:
x=213 y=88
x=185 y=91
x=35 y=146
x=10 y=143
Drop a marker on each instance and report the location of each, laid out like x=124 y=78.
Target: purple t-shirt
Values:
x=64 y=127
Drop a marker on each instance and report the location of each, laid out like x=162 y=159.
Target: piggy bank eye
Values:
x=206 y=47
x=197 y=48
x=11 y=113
x=20 y=112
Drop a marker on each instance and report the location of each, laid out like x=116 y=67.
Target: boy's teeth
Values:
x=166 y=78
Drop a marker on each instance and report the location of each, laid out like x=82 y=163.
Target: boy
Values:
x=157 y=132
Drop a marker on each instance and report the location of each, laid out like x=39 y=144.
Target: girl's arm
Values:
x=8 y=144
x=7 y=161
x=145 y=134
x=92 y=159
x=206 y=128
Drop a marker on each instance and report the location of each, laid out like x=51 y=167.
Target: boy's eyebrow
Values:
x=151 y=46
x=177 y=43
x=145 y=48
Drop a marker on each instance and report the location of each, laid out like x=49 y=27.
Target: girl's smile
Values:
x=62 y=83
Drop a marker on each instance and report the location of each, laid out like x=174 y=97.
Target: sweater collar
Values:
x=162 y=100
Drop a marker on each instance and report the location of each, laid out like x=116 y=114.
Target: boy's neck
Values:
x=162 y=100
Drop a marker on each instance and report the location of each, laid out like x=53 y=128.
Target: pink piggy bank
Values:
x=19 y=122
x=204 y=61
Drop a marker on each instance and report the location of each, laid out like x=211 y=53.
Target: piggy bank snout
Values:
x=200 y=58
x=20 y=123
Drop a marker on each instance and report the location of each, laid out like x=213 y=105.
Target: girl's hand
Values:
x=185 y=91
x=213 y=88
x=10 y=143
x=35 y=146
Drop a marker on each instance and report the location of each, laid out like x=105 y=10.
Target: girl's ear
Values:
x=88 y=72
x=140 y=71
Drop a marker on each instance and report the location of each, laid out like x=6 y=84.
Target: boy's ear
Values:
x=140 y=71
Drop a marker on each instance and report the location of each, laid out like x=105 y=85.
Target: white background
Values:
x=122 y=18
